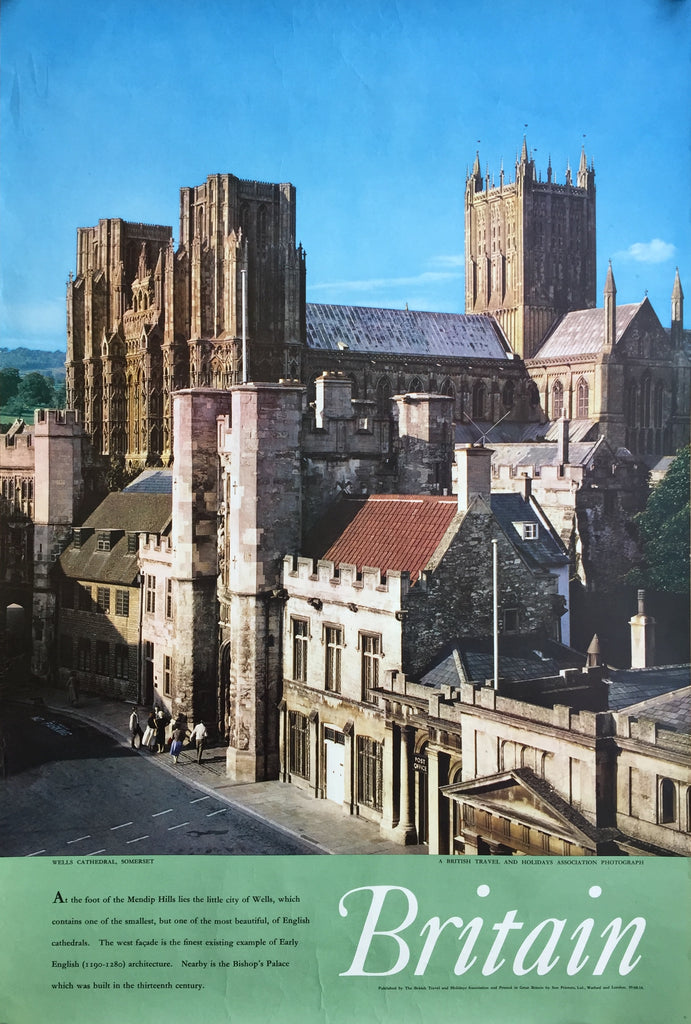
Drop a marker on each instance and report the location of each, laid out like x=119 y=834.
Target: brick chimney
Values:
x=473 y=474
x=642 y=636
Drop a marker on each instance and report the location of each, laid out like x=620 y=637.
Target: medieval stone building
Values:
x=530 y=249
x=271 y=413
x=145 y=319
x=228 y=305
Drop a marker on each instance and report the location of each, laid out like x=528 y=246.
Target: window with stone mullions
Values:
x=103 y=599
x=369 y=775
x=122 y=603
x=102 y=659
x=121 y=667
x=370 y=647
x=333 y=639
x=151 y=594
x=300 y=638
x=299 y=751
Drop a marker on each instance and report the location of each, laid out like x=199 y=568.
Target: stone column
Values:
x=348 y=774
x=434 y=838
x=406 y=828
x=283 y=741
x=389 y=815
x=314 y=753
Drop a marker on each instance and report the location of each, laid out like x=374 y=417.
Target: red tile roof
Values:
x=399 y=532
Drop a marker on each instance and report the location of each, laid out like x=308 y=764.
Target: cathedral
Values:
x=228 y=306
x=338 y=576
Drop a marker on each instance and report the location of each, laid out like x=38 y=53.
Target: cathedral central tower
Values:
x=529 y=249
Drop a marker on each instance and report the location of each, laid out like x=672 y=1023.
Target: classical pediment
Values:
x=522 y=797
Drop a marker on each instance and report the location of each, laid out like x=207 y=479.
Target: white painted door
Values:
x=335 y=775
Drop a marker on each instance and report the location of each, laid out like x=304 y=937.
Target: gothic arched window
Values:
x=582 y=400
x=447 y=389
x=557 y=400
x=645 y=402
x=657 y=405
x=478 y=400
x=465 y=399
x=416 y=385
x=262 y=233
x=507 y=395
x=384 y=397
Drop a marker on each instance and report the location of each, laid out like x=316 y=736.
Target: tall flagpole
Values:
x=495 y=610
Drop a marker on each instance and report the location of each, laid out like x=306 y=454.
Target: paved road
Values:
x=69 y=790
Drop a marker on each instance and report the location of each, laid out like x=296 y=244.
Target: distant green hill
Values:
x=28 y=360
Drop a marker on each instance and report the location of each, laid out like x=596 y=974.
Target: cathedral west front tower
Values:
x=145 y=319
x=529 y=249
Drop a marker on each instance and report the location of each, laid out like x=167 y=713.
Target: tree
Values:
x=664 y=526
x=9 y=384
x=36 y=391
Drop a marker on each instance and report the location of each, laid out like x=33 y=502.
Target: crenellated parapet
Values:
x=304 y=576
x=448 y=704
x=643 y=731
x=155 y=548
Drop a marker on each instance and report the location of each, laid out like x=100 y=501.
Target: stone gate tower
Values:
x=529 y=248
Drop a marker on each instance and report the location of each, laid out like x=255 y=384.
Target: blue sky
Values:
x=373 y=110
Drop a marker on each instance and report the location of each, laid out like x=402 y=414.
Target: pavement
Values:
x=292 y=810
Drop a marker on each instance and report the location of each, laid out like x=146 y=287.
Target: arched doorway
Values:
x=223 y=692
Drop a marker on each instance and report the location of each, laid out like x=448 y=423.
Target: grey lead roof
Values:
x=670 y=710
x=541 y=454
x=365 y=329
x=583 y=332
x=631 y=687
x=510 y=432
x=471 y=659
x=151 y=481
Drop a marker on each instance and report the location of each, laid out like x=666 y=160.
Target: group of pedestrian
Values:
x=154 y=736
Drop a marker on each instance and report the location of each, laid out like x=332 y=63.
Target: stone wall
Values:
x=455 y=598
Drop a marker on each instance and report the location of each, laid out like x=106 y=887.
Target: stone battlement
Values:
x=155 y=548
x=65 y=420
x=644 y=730
x=344 y=577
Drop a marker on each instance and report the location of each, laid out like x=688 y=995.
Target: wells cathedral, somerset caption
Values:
x=370 y=548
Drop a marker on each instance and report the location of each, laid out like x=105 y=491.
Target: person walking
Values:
x=160 y=730
x=135 y=728
x=179 y=733
x=199 y=735
x=72 y=689
x=149 y=738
